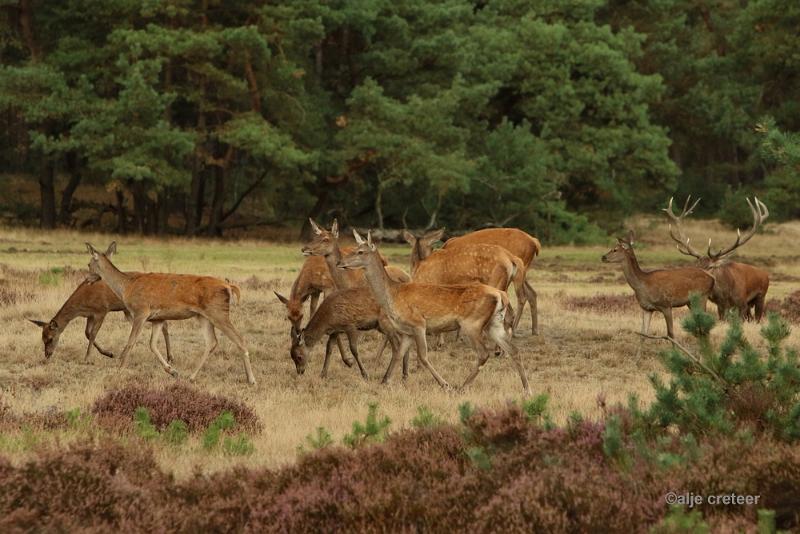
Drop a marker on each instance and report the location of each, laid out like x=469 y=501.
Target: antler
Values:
x=760 y=214
x=683 y=245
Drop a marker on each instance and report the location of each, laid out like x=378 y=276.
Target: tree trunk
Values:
x=139 y=206
x=163 y=212
x=316 y=211
x=65 y=211
x=218 y=201
x=122 y=217
x=47 y=189
x=152 y=215
x=195 y=201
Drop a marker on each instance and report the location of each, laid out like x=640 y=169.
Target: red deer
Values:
x=159 y=297
x=660 y=289
x=410 y=310
x=738 y=286
x=92 y=299
x=520 y=244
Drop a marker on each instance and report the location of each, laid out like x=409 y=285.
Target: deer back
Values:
x=517 y=242
x=178 y=294
x=486 y=264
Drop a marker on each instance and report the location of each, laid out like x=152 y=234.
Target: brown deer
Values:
x=92 y=299
x=660 y=289
x=466 y=264
x=738 y=286
x=520 y=244
x=159 y=297
x=410 y=310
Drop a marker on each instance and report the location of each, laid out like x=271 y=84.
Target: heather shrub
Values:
x=176 y=402
x=680 y=521
x=601 y=303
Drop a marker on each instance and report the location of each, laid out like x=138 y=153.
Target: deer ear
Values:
x=40 y=324
x=92 y=278
x=630 y=236
x=315 y=226
x=112 y=249
x=92 y=250
x=335 y=229
x=358 y=238
x=435 y=235
x=281 y=298
x=409 y=237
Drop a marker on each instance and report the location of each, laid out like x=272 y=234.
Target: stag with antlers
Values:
x=738 y=286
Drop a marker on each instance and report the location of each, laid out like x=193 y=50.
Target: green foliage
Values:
x=681 y=521
x=535 y=408
x=176 y=433
x=144 y=427
x=613 y=441
x=51 y=277
x=320 y=439
x=425 y=418
x=240 y=445
x=373 y=430
x=211 y=436
x=465 y=411
x=479 y=458
x=729 y=388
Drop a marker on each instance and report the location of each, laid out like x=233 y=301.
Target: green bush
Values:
x=176 y=433
x=144 y=427
x=425 y=418
x=373 y=430
x=212 y=435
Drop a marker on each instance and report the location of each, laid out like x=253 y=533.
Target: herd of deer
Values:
x=460 y=287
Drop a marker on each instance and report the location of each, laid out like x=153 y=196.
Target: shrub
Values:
x=319 y=440
x=211 y=436
x=238 y=446
x=196 y=408
x=176 y=433
x=144 y=427
x=373 y=430
x=425 y=418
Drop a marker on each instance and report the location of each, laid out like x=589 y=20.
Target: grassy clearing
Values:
x=585 y=348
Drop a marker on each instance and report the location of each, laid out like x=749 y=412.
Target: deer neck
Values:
x=634 y=274
x=379 y=282
x=339 y=280
x=69 y=310
x=315 y=329
x=115 y=279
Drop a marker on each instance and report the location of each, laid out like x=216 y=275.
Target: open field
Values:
x=585 y=348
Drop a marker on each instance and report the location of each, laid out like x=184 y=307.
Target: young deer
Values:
x=93 y=300
x=660 y=289
x=160 y=297
x=738 y=286
x=410 y=310
x=520 y=244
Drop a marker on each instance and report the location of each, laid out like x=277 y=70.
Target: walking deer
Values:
x=92 y=299
x=410 y=310
x=660 y=289
x=159 y=297
x=520 y=244
x=738 y=286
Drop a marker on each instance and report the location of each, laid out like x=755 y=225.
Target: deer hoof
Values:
x=172 y=371
x=364 y=375
x=348 y=362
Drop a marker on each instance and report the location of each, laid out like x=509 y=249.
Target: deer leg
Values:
x=759 y=307
x=422 y=354
x=533 y=302
x=399 y=350
x=668 y=318
x=227 y=328
x=136 y=329
x=313 y=300
x=474 y=338
x=328 y=349
x=647 y=315
x=382 y=347
x=352 y=339
x=345 y=359
x=211 y=344
x=157 y=327
x=165 y=333
x=91 y=334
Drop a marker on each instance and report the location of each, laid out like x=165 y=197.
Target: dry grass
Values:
x=585 y=348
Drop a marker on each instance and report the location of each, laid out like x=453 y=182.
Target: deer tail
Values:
x=236 y=294
x=537 y=246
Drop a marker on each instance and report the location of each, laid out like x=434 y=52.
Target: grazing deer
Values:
x=159 y=297
x=93 y=300
x=347 y=311
x=738 y=286
x=520 y=244
x=410 y=310
x=660 y=289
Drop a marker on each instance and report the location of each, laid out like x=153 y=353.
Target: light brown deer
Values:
x=92 y=299
x=738 y=286
x=410 y=310
x=520 y=244
x=660 y=289
x=159 y=297
x=466 y=264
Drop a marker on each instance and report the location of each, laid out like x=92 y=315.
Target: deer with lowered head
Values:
x=160 y=297
x=522 y=245
x=410 y=310
x=738 y=286
x=93 y=300
x=659 y=290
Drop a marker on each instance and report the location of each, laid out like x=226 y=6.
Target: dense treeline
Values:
x=550 y=115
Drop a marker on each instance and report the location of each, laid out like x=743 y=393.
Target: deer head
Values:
x=294 y=310
x=622 y=251
x=324 y=242
x=422 y=247
x=50 y=334
x=298 y=351
x=359 y=258
x=101 y=262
